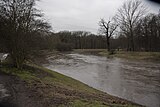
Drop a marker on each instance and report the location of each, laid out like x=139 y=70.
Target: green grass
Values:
x=25 y=75
x=139 y=55
x=66 y=81
x=89 y=51
x=53 y=77
x=83 y=103
x=57 y=85
x=153 y=56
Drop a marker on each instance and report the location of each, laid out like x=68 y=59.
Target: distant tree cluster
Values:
x=76 y=40
x=128 y=17
x=146 y=35
x=136 y=30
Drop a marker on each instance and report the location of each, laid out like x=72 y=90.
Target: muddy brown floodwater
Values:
x=136 y=81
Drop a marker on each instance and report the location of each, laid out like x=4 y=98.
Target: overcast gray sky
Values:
x=75 y=15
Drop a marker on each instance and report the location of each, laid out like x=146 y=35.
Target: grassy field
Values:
x=152 y=56
x=55 y=90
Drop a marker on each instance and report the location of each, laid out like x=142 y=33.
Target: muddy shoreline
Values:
x=42 y=93
x=22 y=95
x=19 y=95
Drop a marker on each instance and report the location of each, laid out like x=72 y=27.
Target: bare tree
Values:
x=20 y=20
x=128 y=16
x=107 y=28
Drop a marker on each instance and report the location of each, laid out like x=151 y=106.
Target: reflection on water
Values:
x=137 y=81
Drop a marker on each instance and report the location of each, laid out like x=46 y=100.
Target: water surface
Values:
x=137 y=81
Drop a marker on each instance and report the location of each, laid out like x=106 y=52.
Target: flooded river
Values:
x=137 y=81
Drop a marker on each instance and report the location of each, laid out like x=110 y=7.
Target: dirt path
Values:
x=5 y=92
x=14 y=93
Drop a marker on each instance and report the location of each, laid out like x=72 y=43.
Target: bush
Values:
x=112 y=51
x=64 y=47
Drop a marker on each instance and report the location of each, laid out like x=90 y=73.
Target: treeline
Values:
x=146 y=37
x=130 y=29
x=148 y=33
x=76 y=40
x=24 y=31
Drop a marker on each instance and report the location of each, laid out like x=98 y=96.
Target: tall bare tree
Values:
x=128 y=16
x=19 y=20
x=107 y=28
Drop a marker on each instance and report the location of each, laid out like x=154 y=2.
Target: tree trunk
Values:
x=132 y=40
x=108 y=44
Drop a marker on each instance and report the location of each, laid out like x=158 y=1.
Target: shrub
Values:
x=112 y=51
x=64 y=46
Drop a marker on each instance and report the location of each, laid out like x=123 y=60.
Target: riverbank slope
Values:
x=150 y=56
x=37 y=86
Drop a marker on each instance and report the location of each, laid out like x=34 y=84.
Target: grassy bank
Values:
x=151 y=56
x=51 y=89
x=90 y=51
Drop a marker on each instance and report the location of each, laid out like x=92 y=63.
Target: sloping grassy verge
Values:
x=155 y=56
x=90 y=51
x=151 y=56
x=56 y=90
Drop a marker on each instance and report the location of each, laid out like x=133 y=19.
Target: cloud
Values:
x=78 y=14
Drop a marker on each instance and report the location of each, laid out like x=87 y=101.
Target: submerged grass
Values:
x=62 y=90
